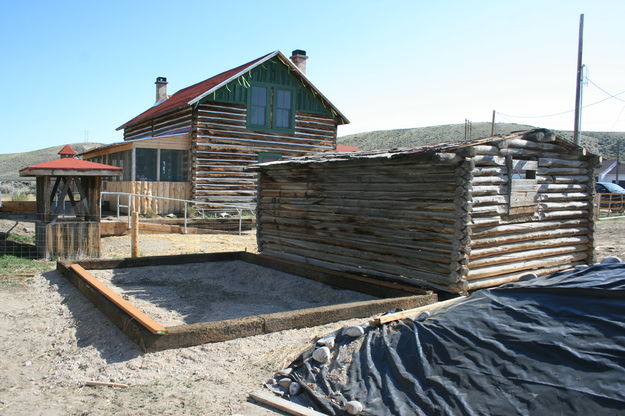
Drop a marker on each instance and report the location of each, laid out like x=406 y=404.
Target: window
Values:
x=173 y=165
x=522 y=186
x=268 y=157
x=258 y=107
x=146 y=165
x=270 y=108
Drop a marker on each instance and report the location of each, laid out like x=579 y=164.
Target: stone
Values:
x=284 y=372
x=285 y=382
x=528 y=276
x=28 y=363
x=321 y=355
x=353 y=407
x=354 y=331
x=327 y=341
x=610 y=260
x=423 y=316
x=294 y=388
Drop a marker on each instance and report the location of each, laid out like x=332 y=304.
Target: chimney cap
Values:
x=161 y=80
x=297 y=52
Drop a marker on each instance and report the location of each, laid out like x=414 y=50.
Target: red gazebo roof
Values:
x=67 y=150
x=70 y=166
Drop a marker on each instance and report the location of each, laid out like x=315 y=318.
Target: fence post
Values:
x=134 y=235
x=240 y=219
x=185 y=217
x=117 y=206
x=129 y=208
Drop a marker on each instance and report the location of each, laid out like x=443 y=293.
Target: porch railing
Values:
x=200 y=209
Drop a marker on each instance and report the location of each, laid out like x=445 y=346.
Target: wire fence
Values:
x=17 y=190
x=18 y=236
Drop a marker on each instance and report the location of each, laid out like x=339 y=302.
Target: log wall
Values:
x=385 y=217
x=170 y=123
x=555 y=233
x=223 y=148
x=481 y=216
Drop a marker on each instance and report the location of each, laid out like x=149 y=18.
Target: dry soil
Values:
x=54 y=341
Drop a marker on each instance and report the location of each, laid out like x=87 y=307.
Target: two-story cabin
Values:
x=197 y=143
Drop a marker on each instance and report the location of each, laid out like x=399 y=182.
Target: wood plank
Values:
x=412 y=312
x=282 y=404
x=151 y=325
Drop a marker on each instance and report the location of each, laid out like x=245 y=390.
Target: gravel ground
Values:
x=201 y=292
x=54 y=341
x=162 y=244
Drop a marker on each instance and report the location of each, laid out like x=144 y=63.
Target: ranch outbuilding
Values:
x=454 y=216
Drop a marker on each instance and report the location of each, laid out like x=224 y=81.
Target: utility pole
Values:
x=578 y=87
x=492 y=125
x=618 y=159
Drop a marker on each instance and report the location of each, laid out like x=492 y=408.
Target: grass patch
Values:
x=11 y=267
x=28 y=239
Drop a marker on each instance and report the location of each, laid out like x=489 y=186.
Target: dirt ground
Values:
x=201 y=292
x=54 y=341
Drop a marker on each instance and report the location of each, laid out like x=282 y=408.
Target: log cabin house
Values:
x=196 y=143
x=454 y=216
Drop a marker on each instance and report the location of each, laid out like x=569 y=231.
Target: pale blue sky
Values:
x=70 y=67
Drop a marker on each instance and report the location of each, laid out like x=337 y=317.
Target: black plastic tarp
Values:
x=547 y=346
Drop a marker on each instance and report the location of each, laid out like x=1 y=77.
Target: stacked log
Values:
x=452 y=221
x=175 y=121
x=384 y=217
x=558 y=233
x=224 y=148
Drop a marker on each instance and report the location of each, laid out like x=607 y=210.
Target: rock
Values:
x=611 y=259
x=354 y=331
x=284 y=372
x=528 y=276
x=423 y=316
x=171 y=215
x=285 y=382
x=294 y=388
x=354 y=407
x=322 y=354
x=327 y=341
x=28 y=363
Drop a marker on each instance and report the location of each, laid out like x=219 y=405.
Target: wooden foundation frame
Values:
x=392 y=294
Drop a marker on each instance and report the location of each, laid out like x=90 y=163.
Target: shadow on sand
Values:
x=92 y=327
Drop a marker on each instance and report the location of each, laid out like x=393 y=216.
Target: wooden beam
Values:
x=283 y=405
x=143 y=319
x=411 y=312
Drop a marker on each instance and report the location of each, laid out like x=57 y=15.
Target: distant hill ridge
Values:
x=602 y=143
x=11 y=163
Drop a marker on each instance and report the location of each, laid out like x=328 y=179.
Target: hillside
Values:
x=11 y=163
x=603 y=143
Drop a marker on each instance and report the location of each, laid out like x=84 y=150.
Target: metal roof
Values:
x=194 y=93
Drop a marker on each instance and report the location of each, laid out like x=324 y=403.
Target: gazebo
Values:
x=71 y=230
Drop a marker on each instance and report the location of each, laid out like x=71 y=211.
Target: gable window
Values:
x=258 y=107
x=270 y=108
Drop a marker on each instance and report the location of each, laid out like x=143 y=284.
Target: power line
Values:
x=605 y=92
x=615 y=96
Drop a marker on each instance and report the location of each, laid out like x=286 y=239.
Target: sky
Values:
x=75 y=71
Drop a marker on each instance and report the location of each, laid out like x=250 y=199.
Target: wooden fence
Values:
x=178 y=190
x=610 y=205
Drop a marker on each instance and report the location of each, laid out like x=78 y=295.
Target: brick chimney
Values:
x=298 y=57
x=161 y=89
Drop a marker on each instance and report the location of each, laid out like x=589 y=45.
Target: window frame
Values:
x=271 y=108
